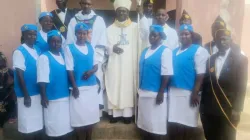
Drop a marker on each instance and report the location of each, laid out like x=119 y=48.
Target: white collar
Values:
x=156 y=48
x=27 y=47
x=80 y=16
x=227 y=52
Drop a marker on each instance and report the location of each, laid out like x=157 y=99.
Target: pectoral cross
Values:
x=123 y=40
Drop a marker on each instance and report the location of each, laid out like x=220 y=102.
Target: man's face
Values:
x=86 y=6
x=161 y=17
x=122 y=14
x=223 y=42
x=148 y=8
x=61 y=4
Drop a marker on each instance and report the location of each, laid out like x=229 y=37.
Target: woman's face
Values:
x=55 y=43
x=82 y=35
x=122 y=14
x=46 y=23
x=185 y=37
x=154 y=38
x=30 y=37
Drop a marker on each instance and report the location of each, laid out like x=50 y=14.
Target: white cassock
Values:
x=121 y=73
x=29 y=119
x=152 y=117
x=180 y=110
x=172 y=40
x=99 y=37
x=57 y=113
x=85 y=109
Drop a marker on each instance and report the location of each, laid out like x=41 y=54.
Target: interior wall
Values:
x=14 y=17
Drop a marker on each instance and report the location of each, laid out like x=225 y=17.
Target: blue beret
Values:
x=186 y=27
x=53 y=33
x=157 y=28
x=28 y=27
x=81 y=26
x=43 y=14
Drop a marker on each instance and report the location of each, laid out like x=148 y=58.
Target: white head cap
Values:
x=122 y=3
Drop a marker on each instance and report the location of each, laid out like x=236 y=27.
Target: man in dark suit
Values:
x=224 y=89
x=62 y=17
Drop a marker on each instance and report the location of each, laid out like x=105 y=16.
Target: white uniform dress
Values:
x=152 y=117
x=85 y=109
x=98 y=37
x=29 y=119
x=56 y=115
x=180 y=110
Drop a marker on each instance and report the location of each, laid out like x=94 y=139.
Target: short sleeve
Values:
x=167 y=63
x=201 y=58
x=18 y=60
x=43 y=69
x=69 y=59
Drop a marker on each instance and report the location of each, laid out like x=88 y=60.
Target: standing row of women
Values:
x=42 y=85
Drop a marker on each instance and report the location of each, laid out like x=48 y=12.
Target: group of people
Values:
x=75 y=66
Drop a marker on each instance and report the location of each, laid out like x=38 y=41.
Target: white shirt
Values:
x=62 y=15
x=219 y=62
x=43 y=69
x=200 y=59
x=166 y=68
x=69 y=60
x=172 y=41
x=19 y=60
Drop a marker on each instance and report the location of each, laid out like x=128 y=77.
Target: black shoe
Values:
x=113 y=120
x=127 y=120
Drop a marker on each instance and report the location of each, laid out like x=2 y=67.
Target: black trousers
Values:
x=217 y=128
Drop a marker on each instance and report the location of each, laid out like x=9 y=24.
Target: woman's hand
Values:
x=160 y=98
x=75 y=92
x=27 y=101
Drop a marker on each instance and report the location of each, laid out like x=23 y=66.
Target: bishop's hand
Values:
x=117 y=49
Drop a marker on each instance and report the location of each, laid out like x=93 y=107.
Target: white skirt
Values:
x=84 y=110
x=152 y=117
x=180 y=110
x=57 y=118
x=30 y=119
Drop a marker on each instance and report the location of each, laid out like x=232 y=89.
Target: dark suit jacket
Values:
x=208 y=45
x=232 y=80
x=58 y=23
